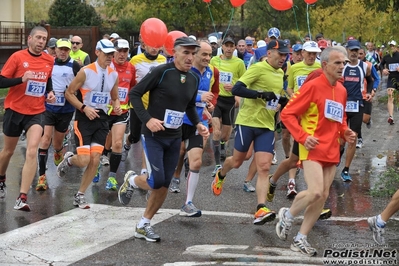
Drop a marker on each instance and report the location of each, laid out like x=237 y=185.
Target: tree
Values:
x=36 y=10
x=73 y=13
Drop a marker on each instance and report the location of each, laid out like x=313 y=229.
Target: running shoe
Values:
x=270 y=191
x=97 y=176
x=58 y=157
x=112 y=184
x=325 y=214
x=80 y=201
x=390 y=120
x=23 y=136
x=284 y=224
x=298 y=170
x=186 y=167
x=304 y=247
x=21 y=205
x=369 y=124
x=65 y=142
x=217 y=184
x=189 y=210
x=175 y=185
x=63 y=167
x=248 y=187
x=104 y=160
x=274 y=161
x=359 y=143
x=41 y=183
x=345 y=176
x=126 y=190
x=378 y=232
x=264 y=215
x=216 y=169
x=3 y=190
x=291 y=192
x=147 y=232
x=125 y=152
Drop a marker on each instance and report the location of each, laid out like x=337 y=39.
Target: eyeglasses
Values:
x=77 y=43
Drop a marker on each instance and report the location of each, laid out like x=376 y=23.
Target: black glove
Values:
x=268 y=96
x=283 y=102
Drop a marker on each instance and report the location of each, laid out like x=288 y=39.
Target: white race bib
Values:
x=272 y=105
x=393 y=67
x=225 y=77
x=98 y=99
x=35 y=88
x=201 y=104
x=334 y=110
x=300 y=80
x=173 y=119
x=59 y=99
x=122 y=94
x=352 y=106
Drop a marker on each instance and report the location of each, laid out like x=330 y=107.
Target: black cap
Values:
x=279 y=45
x=228 y=39
x=51 y=43
x=186 y=41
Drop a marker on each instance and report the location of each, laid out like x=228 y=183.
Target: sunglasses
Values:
x=77 y=43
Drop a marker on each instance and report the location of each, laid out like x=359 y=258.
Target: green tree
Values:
x=73 y=13
x=37 y=10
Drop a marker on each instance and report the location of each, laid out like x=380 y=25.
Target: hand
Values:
x=368 y=97
x=311 y=142
x=51 y=97
x=27 y=76
x=267 y=95
x=228 y=86
x=350 y=136
x=202 y=130
x=385 y=72
x=91 y=113
x=155 y=125
x=209 y=108
x=117 y=109
x=206 y=97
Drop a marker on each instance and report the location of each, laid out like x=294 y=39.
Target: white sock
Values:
x=143 y=221
x=131 y=181
x=291 y=180
x=192 y=182
x=288 y=215
x=300 y=236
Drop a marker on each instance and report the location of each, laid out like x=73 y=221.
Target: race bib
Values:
x=200 y=104
x=59 y=99
x=352 y=106
x=393 y=67
x=300 y=80
x=334 y=110
x=99 y=99
x=225 y=77
x=35 y=88
x=173 y=119
x=122 y=94
x=272 y=105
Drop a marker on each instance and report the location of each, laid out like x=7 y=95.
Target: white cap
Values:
x=192 y=37
x=121 y=43
x=311 y=46
x=392 y=43
x=106 y=46
x=213 y=39
x=114 y=36
x=261 y=43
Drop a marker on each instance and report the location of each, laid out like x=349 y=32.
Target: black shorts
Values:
x=368 y=106
x=90 y=131
x=191 y=137
x=118 y=119
x=295 y=148
x=393 y=83
x=59 y=121
x=135 y=127
x=355 y=120
x=14 y=123
x=225 y=109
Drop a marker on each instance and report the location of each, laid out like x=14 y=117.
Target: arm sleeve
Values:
x=191 y=111
x=215 y=86
x=49 y=86
x=376 y=77
x=369 y=83
x=240 y=89
x=87 y=60
x=75 y=68
x=6 y=82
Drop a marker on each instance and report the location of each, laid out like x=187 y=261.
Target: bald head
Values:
x=77 y=43
x=203 y=56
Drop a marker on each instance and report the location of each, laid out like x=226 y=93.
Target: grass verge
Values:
x=387 y=184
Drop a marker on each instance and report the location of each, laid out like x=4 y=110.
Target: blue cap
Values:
x=249 y=42
x=353 y=44
x=297 y=47
x=273 y=32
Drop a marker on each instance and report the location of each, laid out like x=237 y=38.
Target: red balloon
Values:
x=170 y=40
x=281 y=5
x=237 y=3
x=309 y=2
x=153 y=32
x=207 y=1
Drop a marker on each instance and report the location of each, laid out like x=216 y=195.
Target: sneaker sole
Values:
x=25 y=208
x=83 y=207
x=267 y=218
x=213 y=191
x=346 y=180
x=294 y=248
x=140 y=236
x=280 y=217
x=325 y=216
x=174 y=190
x=41 y=188
x=195 y=214
x=291 y=195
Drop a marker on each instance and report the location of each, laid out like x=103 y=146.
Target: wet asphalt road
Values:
x=225 y=233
